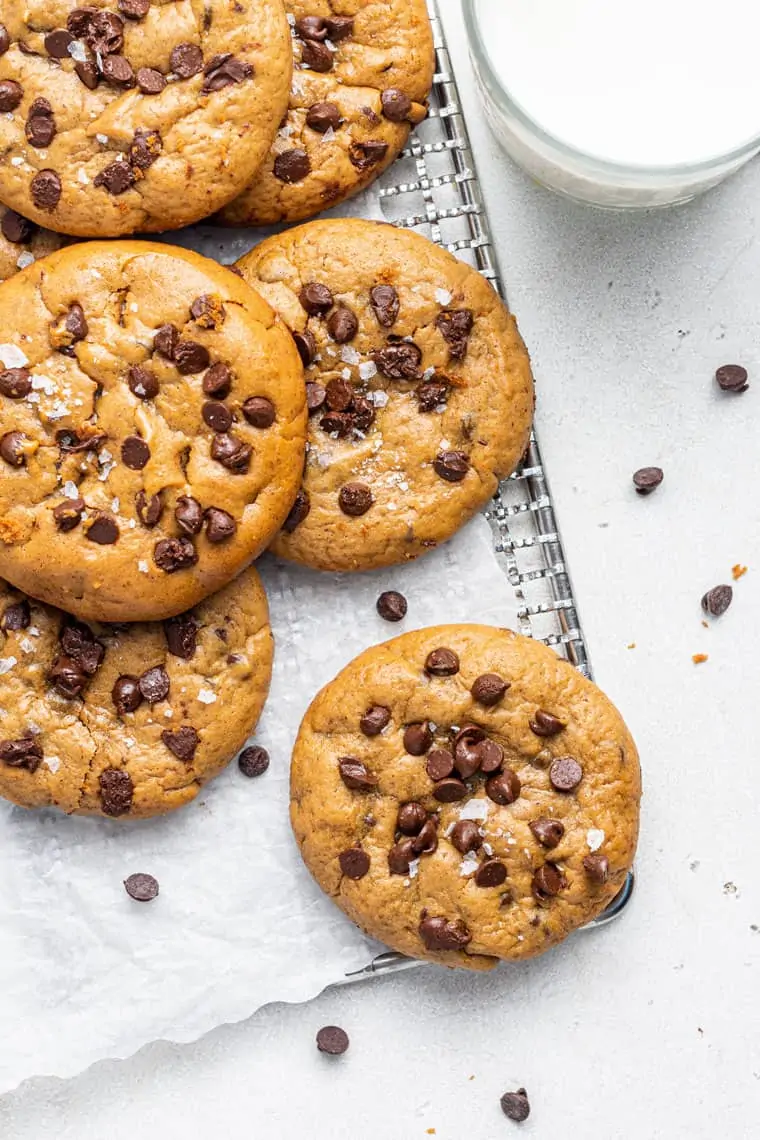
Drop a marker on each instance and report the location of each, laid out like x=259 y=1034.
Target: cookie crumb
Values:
x=699 y=658
x=738 y=571
x=631 y=645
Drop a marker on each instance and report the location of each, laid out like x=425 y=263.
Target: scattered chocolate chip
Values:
x=141 y=888
x=427 y=841
x=172 y=554
x=491 y=756
x=117 y=70
x=342 y=325
x=385 y=304
x=490 y=873
x=126 y=694
x=355 y=499
x=190 y=357
x=16 y=616
x=68 y=514
x=317 y=56
x=565 y=774
x=504 y=788
x=339 y=424
x=316 y=299
x=12 y=448
x=259 y=411
x=217 y=381
x=224 y=70
x=298 y=512
x=216 y=415
x=116 y=178
x=417 y=738
x=455 y=326
x=647 y=479
x=375 y=720
x=75 y=323
x=189 y=514
x=311 y=28
x=16 y=228
x=292 y=165
x=547 y=881
x=148 y=509
x=339 y=27
x=400 y=856
x=307 y=347
x=715 y=601
x=181 y=635
x=333 y=1040
x=145 y=149
x=134 y=9
x=15 y=383
x=354 y=863
x=449 y=791
x=166 y=340
x=365 y=155
x=5 y=39
x=355 y=776
x=451 y=466
x=515 y=1105
x=11 y=94
x=23 y=753
x=186 y=60
x=548 y=832
x=150 y=81
x=467 y=750
x=339 y=395
x=322 y=117
x=392 y=606
x=399 y=361
x=411 y=818
x=396 y=104
x=441 y=663
x=79 y=643
x=432 y=395
x=142 y=382
x=135 y=452
x=208 y=311
x=40 y=130
x=315 y=396
x=597 y=867
x=102 y=529
x=183 y=742
x=46 y=189
x=88 y=73
x=232 y=453
x=253 y=761
x=154 y=684
x=66 y=677
x=438 y=933
x=116 y=790
x=466 y=836
x=439 y=764
x=220 y=525
x=732 y=378
x=103 y=31
x=546 y=724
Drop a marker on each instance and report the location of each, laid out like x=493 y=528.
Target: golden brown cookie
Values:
x=22 y=242
x=128 y=720
x=418 y=383
x=465 y=795
x=363 y=71
x=126 y=115
x=152 y=420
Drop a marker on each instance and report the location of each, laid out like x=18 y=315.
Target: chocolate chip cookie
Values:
x=362 y=74
x=465 y=795
x=128 y=720
x=126 y=115
x=418 y=384
x=22 y=242
x=152 y=425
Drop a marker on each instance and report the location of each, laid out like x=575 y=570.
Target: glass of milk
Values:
x=627 y=105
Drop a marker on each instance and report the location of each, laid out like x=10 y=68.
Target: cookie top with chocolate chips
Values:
x=152 y=420
x=22 y=242
x=359 y=85
x=129 y=720
x=126 y=115
x=418 y=384
x=465 y=795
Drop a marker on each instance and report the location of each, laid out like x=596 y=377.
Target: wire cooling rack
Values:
x=433 y=188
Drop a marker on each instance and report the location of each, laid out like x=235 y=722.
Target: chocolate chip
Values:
x=333 y=1040
x=466 y=836
x=79 y=21
x=400 y=856
x=385 y=304
x=46 y=189
x=354 y=863
x=451 y=466
x=232 y=453
x=449 y=791
x=148 y=509
x=16 y=228
x=339 y=424
x=224 y=70
x=68 y=514
x=117 y=71
x=490 y=873
x=375 y=720
x=23 y=753
x=317 y=56
x=189 y=514
x=88 y=73
x=427 y=841
x=126 y=694
x=399 y=361
x=504 y=788
x=154 y=684
x=365 y=155
x=190 y=357
x=315 y=299
x=323 y=117
x=259 y=411
x=102 y=529
x=292 y=165
x=439 y=764
x=491 y=756
x=298 y=512
x=16 y=616
x=12 y=448
x=183 y=742
x=78 y=642
x=441 y=663
x=597 y=867
x=339 y=27
x=488 y=689
x=40 y=131
x=116 y=178
x=220 y=525
x=342 y=325
x=103 y=31
x=166 y=340
x=172 y=554
x=180 y=633
x=135 y=452
x=253 y=761
x=439 y=933
x=5 y=39
x=396 y=104
x=548 y=832
x=732 y=378
x=311 y=28
x=647 y=479
x=116 y=790
x=145 y=149
x=11 y=94
x=455 y=326
x=417 y=738
x=392 y=606
x=411 y=818
x=307 y=350
x=355 y=775
x=217 y=416
x=150 y=81
x=515 y=1105
x=467 y=750
x=217 y=381
x=565 y=774
x=186 y=60
x=69 y=441
x=546 y=724
x=715 y=601
x=339 y=395
x=208 y=311
x=547 y=881
x=75 y=323
x=66 y=677
x=355 y=499
x=141 y=888
x=15 y=383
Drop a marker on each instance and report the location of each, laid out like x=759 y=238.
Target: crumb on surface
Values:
x=631 y=645
x=706 y=624
x=699 y=658
x=738 y=571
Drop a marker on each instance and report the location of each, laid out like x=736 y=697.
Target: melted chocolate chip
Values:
x=307 y=350
x=189 y=514
x=316 y=299
x=396 y=104
x=102 y=529
x=491 y=756
x=467 y=750
x=292 y=165
x=13 y=448
x=23 y=753
x=142 y=382
x=46 y=189
x=75 y=323
x=452 y=466
x=186 y=60
x=173 y=554
x=342 y=325
x=400 y=856
x=490 y=873
x=15 y=383
x=149 y=510
x=365 y=155
x=438 y=933
x=16 y=228
x=259 y=411
x=220 y=525
x=427 y=841
x=354 y=863
x=339 y=27
x=224 y=70
x=322 y=117
x=504 y=788
x=79 y=643
x=455 y=326
x=548 y=832
x=546 y=724
x=116 y=178
x=216 y=415
x=150 y=81
x=11 y=94
x=311 y=28
x=355 y=776
x=217 y=381
x=466 y=836
x=488 y=689
x=16 y=616
x=399 y=361
x=385 y=305
x=565 y=774
x=449 y=791
x=597 y=867
x=183 y=742
x=116 y=790
x=442 y=663
x=317 y=56
x=135 y=452
x=355 y=499
x=253 y=761
x=117 y=70
x=375 y=720
x=298 y=512
x=439 y=764
x=190 y=357
x=66 y=677
x=154 y=684
x=126 y=694
x=548 y=881
x=134 y=9
x=232 y=453
x=166 y=340
x=68 y=514
x=411 y=818
x=417 y=738
x=181 y=635
x=145 y=149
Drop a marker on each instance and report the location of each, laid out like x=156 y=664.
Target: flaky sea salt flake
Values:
x=595 y=838
x=12 y=356
x=206 y=696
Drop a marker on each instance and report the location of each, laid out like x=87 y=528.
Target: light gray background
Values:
x=649 y=1028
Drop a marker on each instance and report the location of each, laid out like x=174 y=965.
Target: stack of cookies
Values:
x=348 y=396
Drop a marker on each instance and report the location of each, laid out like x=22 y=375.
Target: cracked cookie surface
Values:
x=362 y=73
x=418 y=383
x=152 y=420
x=22 y=242
x=126 y=115
x=128 y=721
x=465 y=795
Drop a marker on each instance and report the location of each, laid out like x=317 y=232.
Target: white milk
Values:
x=648 y=86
